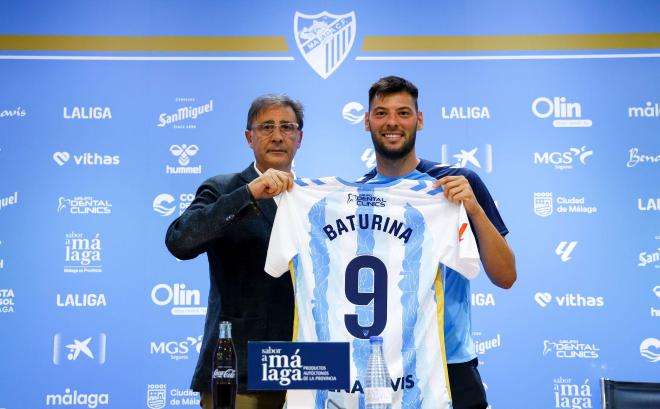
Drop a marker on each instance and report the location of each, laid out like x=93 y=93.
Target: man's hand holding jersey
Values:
x=270 y=184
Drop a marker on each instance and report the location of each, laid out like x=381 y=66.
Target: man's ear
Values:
x=366 y=121
x=420 y=121
x=249 y=138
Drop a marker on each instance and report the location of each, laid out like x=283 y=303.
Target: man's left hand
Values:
x=457 y=189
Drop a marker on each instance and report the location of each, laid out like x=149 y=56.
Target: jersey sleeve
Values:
x=460 y=250
x=282 y=246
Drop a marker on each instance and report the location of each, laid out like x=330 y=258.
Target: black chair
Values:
x=629 y=395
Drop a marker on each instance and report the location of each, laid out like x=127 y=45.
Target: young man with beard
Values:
x=230 y=220
x=393 y=120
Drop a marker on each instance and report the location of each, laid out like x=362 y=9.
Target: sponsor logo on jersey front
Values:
x=180 y=299
x=564 y=113
x=570 y=349
x=566 y=160
x=324 y=39
x=67 y=349
x=569 y=300
x=568 y=394
x=479 y=157
x=73 y=397
x=365 y=199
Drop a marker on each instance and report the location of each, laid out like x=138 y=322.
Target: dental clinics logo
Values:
x=465 y=112
x=176 y=350
x=636 y=158
x=17 y=112
x=570 y=349
x=649 y=110
x=87 y=113
x=157 y=396
x=79 y=349
x=563 y=160
x=324 y=39
x=365 y=199
x=6 y=301
x=473 y=157
x=353 y=112
x=651 y=204
x=86 y=159
x=83 y=205
x=185 y=117
x=650 y=349
x=544 y=206
x=565 y=114
x=572 y=395
x=183 y=153
x=74 y=398
x=569 y=300
x=183 y=301
x=82 y=254
x=165 y=204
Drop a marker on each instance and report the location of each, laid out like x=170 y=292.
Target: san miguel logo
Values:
x=324 y=39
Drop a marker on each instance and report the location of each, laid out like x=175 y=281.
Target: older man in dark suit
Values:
x=230 y=220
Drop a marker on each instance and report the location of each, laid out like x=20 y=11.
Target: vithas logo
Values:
x=565 y=249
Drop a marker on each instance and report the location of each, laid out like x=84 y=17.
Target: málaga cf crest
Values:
x=324 y=39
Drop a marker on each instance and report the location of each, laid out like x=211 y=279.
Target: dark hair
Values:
x=266 y=101
x=392 y=85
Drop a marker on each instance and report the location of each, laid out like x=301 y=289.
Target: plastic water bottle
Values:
x=378 y=387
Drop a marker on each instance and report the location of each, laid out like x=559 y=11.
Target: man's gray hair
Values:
x=264 y=102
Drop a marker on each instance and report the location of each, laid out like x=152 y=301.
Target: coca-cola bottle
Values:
x=223 y=382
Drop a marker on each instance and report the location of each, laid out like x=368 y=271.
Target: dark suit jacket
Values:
x=234 y=231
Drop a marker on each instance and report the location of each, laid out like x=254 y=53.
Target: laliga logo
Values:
x=564 y=250
x=324 y=39
x=352 y=112
x=184 y=152
x=161 y=203
x=650 y=349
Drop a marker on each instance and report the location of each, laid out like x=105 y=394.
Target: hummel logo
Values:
x=564 y=250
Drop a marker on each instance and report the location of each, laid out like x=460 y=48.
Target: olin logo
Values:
x=566 y=114
x=564 y=250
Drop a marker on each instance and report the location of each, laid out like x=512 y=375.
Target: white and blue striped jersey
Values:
x=364 y=261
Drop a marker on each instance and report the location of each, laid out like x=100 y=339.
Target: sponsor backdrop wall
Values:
x=111 y=115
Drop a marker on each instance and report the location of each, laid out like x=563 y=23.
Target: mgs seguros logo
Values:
x=566 y=160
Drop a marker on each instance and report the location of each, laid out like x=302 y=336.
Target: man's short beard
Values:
x=394 y=154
